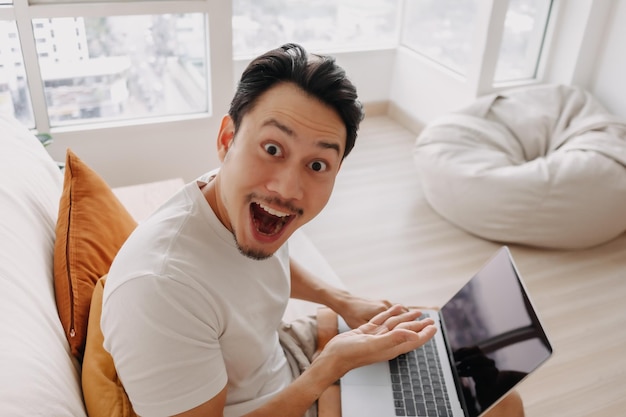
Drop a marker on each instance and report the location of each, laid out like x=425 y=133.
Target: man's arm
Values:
x=211 y=408
x=387 y=335
x=355 y=310
x=305 y=286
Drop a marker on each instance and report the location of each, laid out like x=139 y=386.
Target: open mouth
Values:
x=269 y=221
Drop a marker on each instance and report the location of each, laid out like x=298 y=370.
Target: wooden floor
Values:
x=383 y=240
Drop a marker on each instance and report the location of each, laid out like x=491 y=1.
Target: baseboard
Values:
x=387 y=108
x=405 y=119
x=376 y=108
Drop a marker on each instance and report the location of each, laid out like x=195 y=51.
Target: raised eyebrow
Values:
x=276 y=123
x=322 y=144
x=329 y=145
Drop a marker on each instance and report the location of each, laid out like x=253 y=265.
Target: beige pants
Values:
x=299 y=341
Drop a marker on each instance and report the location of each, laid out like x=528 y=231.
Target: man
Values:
x=193 y=302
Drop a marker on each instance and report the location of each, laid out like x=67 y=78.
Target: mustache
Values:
x=275 y=201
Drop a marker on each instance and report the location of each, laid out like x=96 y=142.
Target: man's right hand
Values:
x=387 y=335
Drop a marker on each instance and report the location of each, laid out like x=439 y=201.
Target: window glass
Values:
x=122 y=67
x=318 y=25
x=524 y=30
x=441 y=30
x=14 y=93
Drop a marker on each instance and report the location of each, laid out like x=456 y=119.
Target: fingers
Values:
x=396 y=317
x=411 y=325
x=387 y=335
x=415 y=325
x=359 y=311
x=404 y=339
x=416 y=338
x=392 y=311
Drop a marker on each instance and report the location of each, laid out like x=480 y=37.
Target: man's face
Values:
x=279 y=171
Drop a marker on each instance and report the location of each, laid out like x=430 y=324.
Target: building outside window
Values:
x=122 y=67
x=108 y=68
x=14 y=92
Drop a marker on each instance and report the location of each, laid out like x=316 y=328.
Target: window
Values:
x=14 y=92
x=328 y=25
x=449 y=33
x=441 y=30
x=522 y=39
x=86 y=61
x=123 y=67
x=144 y=60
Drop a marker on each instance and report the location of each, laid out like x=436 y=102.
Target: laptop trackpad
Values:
x=354 y=401
x=366 y=391
x=366 y=401
x=374 y=374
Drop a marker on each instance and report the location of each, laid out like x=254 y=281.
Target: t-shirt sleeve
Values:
x=163 y=336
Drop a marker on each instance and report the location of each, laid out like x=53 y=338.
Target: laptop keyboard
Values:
x=418 y=384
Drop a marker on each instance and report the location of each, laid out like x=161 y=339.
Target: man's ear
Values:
x=225 y=137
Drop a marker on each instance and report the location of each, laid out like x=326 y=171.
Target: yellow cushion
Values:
x=91 y=227
x=103 y=392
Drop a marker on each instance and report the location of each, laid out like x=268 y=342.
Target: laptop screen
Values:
x=493 y=333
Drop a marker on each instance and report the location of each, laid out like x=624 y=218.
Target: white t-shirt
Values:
x=185 y=313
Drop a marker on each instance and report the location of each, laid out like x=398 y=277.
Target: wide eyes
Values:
x=318 y=166
x=273 y=149
x=276 y=151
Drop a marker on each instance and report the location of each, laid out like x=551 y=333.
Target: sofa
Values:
x=55 y=228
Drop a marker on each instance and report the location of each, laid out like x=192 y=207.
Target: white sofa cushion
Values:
x=37 y=373
x=542 y=166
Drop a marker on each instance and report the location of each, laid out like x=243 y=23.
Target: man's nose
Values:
x=287 y=183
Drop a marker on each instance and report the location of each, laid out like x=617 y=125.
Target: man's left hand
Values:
x=357 y=311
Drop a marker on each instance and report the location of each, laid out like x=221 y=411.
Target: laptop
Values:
x=489 y=339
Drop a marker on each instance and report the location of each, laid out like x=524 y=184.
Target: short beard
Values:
x=254 y=254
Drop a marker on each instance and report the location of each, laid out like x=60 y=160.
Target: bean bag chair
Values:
x=542 y=166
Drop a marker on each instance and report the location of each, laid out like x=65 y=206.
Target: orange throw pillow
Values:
x=91 y=227
x=102 y=389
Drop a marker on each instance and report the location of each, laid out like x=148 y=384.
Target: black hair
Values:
x=317 y=75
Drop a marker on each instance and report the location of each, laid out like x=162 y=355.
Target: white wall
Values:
x=423 y=90
x=370 y=72
x=608 y=81
x=144 y=153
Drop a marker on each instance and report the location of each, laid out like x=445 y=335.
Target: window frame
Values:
x=538 y=40
x=217 y=49
x=480 y=74
x=343 y=48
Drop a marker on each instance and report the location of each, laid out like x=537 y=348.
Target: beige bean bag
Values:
x=542 y=166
